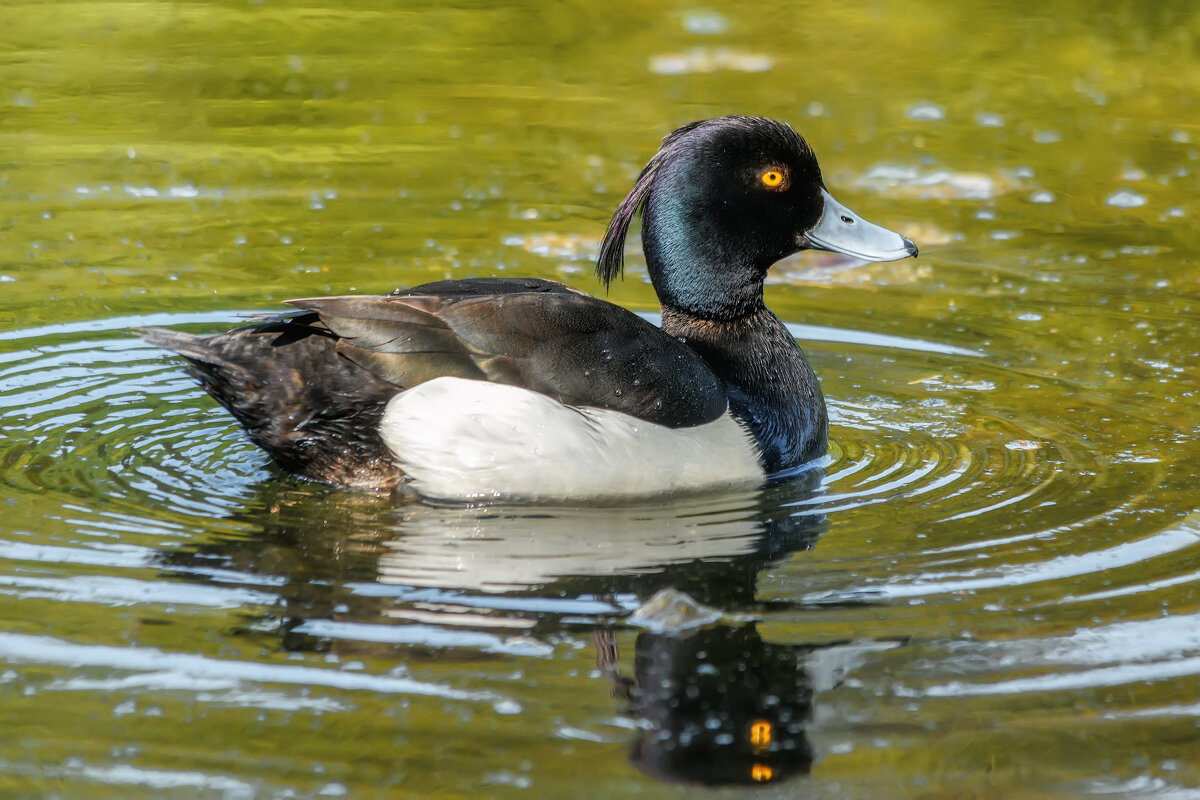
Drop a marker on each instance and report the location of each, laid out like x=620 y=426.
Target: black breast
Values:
x=772 y=389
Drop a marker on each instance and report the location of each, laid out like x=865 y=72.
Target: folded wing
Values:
x=570 y=346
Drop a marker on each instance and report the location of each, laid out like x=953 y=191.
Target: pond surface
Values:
x=988 y=589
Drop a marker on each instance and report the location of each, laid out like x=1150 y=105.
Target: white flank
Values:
x=463 y=439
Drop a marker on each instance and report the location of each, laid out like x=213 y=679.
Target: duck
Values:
x=530 y=389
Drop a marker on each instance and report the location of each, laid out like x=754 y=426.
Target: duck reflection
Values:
x=710 y=547
x=720 y=706
x=333 y=554
x=358 y=573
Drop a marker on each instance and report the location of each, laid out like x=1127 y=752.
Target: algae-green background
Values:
x=217 y=157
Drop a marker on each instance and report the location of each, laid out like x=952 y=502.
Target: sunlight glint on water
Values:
x=989 y=589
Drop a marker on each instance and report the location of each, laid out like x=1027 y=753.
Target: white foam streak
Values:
x=211 y=673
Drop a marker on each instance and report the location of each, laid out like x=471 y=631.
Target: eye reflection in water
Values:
x=720 y=706
x=360 y=575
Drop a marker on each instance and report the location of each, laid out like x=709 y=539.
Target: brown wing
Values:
x=545 y=337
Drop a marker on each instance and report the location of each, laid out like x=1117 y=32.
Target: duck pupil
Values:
x=847 y=220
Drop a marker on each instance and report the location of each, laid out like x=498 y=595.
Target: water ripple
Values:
x=949 y=505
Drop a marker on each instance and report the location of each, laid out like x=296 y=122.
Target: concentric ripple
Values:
x=928 y=443
x=968 y=465
x=90 y=412
x=961 y=502
x=961 y=486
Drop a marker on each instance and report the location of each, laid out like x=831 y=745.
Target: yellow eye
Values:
x=772 y=178
x=760 y=734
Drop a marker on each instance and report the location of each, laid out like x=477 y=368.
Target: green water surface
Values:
x=990 y=589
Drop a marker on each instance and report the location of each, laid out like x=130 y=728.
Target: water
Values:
x=988 y=589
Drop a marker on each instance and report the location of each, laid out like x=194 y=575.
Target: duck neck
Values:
x=772 y=389
x=711 y=273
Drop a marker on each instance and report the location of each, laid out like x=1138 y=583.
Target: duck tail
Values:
x=197 y=349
